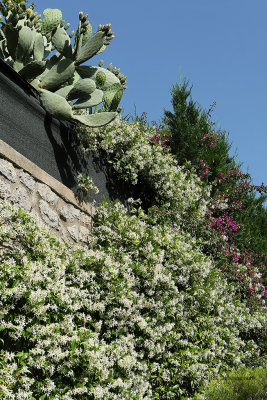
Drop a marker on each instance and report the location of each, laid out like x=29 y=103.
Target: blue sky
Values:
x=219 y=46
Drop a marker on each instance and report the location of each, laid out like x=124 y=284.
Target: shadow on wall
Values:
x=51 y=144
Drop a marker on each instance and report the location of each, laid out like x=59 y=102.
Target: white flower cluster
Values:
x=177 y=196
x=143 y=315
x=179 y=193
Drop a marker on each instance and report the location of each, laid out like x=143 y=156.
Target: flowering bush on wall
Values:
x=179 y=194
x=163 y=301
x=182 y=196
x=142 y=315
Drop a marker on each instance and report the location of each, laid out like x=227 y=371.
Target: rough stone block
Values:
x=85 y=219
x=5 y=189
x=28 y=181
x=49 y=216
x=64 y=236
x=7 y=169
x=47 y=194
x=84 y=234
x=74 y=232
x=69 y=213
x=21 y=198
x=37 y=218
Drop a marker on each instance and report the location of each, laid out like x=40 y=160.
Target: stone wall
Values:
x=52 y=204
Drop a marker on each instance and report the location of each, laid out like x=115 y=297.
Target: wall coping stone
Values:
x=8 y=153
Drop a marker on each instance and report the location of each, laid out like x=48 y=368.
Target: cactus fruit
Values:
x=90 y=101
x=96 y=120
x=58 y=74
x=52 y=18
x=112 y=97
x=55 y=105
x=82 y=88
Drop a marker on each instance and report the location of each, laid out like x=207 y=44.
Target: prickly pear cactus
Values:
x=52 y=18
x=81 y=89
x=112 y=97
x=55 y=105
x=95 y=120
x=62 y=42
x=65 y=85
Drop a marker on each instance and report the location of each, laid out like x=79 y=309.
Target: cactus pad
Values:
x=32 y=69
x=25 y=43
x=82 y=88
x=95 y=120
x=38 y=47
x=112 y=97
x=102 y=49
x=87 y=34
x=75 y=78
x=91 y=47
x=11 y=41
x=91 y=72
x=52 y=18
x=55 y=105
x=62 y=43
x=18 y=65
x=90 y=101
x=35 y=83
x=64 y=91
x=58 y=74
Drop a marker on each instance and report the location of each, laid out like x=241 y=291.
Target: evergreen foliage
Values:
x=193 y=139
x=254 y=223
x=188 y=124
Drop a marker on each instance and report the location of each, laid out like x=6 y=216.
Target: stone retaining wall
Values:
x=51 y=203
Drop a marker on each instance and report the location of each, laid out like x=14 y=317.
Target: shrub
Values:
x=178 y=197
x=240 y=384
x=142 y=315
